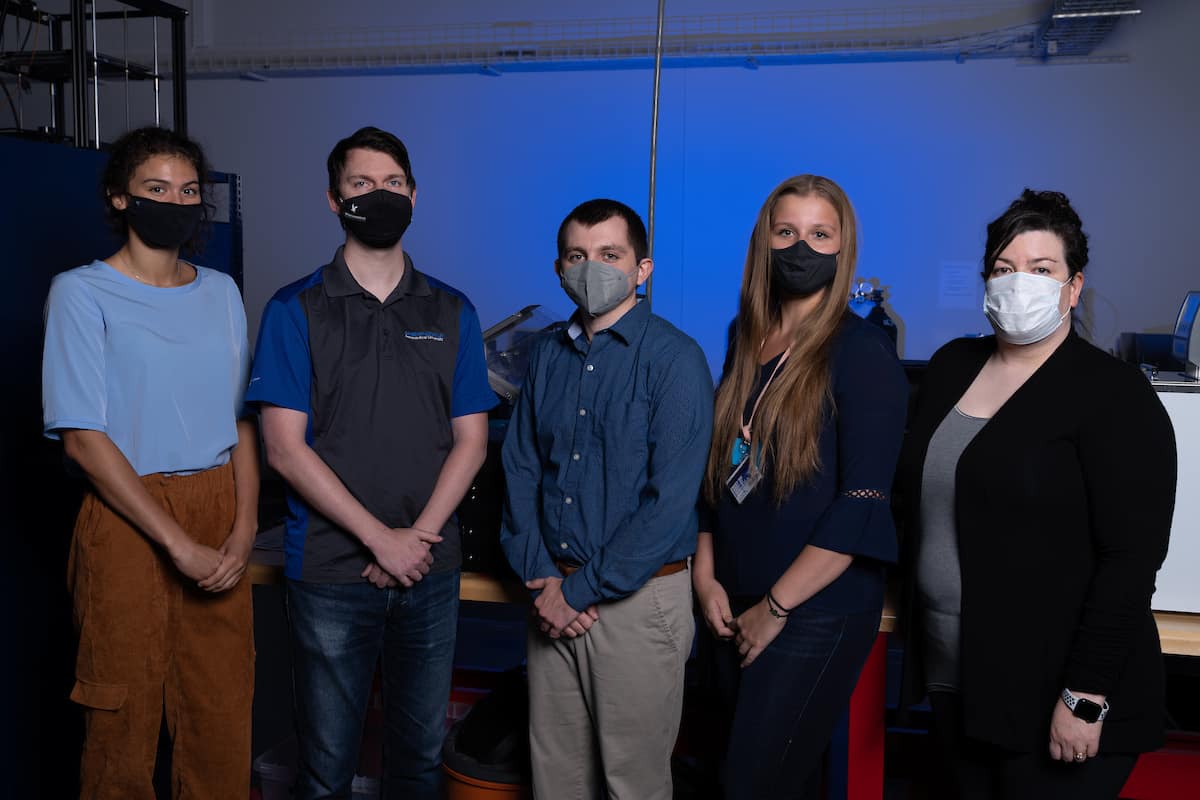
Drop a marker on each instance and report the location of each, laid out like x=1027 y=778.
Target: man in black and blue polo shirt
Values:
x=373 y=391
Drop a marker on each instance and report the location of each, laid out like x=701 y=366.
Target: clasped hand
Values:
x=556 y=617
x=754 y=630
x=216 y=569
x=1071 y=739
x=402 y=556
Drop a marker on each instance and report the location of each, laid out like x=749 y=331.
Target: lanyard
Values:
x=746 y=426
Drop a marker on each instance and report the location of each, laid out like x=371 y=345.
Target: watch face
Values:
x=1086 y=710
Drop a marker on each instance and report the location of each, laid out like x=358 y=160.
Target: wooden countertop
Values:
x=486 y=589
x=1179 y=632
x=266 y=567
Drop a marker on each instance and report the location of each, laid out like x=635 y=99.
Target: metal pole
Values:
x=658 y=47
x=125 y=46
x=179 y=74
x=58 y=113
x=95 y=76
x=79 y=71
x=157 y=115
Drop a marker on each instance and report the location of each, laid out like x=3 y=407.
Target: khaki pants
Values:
x=150 y=643
x=604 y=708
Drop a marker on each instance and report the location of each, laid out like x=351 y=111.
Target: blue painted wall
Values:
x=928 y=152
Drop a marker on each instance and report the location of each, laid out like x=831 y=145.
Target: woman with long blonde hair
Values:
x=789 y=568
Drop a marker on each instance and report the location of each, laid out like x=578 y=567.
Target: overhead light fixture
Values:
x=1084 y=14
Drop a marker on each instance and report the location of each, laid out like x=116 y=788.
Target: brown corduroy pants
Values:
x=152 y=643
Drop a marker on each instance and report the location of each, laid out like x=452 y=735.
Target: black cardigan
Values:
x=1063 y=506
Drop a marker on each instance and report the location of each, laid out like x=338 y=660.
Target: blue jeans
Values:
x=786 y=704
x=338 y=633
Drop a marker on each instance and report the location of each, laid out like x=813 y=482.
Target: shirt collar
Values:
x=626 y=330
x=339 y=282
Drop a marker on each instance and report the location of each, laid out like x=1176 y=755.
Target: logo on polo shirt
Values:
x=424 y=336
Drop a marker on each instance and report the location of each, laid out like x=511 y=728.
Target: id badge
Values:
x=743 y=480
x=741 y=448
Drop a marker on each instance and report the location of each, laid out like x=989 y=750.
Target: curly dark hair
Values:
x=129 y=152
x=1038 y=211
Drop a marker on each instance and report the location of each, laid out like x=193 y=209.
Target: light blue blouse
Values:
x=162 y=371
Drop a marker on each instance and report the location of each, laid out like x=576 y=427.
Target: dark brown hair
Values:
x=593 y=212
x=368 y=138
x=1038 y=211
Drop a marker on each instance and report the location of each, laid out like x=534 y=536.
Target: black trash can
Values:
x=486 y=753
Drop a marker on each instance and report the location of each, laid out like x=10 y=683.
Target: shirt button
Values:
x=563 y=545
x=583 y=412
x=590 y=367
x=575 y=457
x=568 y=501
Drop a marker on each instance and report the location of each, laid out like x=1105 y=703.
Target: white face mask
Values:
x=1023 y=307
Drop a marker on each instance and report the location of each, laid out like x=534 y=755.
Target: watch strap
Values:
x=1071 y=702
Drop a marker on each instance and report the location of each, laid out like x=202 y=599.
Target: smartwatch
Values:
x=1086 y=710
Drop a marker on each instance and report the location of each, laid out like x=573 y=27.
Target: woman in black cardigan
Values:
x=1038 y=478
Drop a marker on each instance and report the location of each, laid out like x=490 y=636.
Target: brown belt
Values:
x=669 y=568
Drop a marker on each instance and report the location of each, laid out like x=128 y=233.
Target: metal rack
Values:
x=75 y=60
x=1076 y=27
x=1013 y=29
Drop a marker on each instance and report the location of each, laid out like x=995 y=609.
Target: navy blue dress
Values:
x=785 y=705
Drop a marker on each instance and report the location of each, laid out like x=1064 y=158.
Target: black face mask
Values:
x=377 y=219
x=799 y=270
x=163 y=226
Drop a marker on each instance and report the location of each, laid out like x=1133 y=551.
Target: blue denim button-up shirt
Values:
x=604 y=455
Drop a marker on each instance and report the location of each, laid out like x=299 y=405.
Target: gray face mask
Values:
x=596 y=287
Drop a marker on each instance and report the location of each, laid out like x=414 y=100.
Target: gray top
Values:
x=939 y=580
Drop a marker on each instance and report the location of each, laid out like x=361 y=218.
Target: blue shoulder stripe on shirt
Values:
x=438 y=285
x=281 y=371
x=470 y=393
x=289 y=293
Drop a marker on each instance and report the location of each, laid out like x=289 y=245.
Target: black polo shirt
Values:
x=380 y=383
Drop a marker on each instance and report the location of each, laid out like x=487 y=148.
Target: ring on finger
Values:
x=1081 y=756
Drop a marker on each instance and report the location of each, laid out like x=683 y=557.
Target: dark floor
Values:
x=42 y=737
x=491 y=641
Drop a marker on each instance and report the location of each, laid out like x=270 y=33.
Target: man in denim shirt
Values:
x=603 y=461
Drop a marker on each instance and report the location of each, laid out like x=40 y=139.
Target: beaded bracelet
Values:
x=776 y=608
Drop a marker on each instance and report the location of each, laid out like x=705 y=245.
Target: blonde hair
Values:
x=791 y=415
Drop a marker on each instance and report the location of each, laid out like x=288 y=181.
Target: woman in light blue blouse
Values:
x=143 y=373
